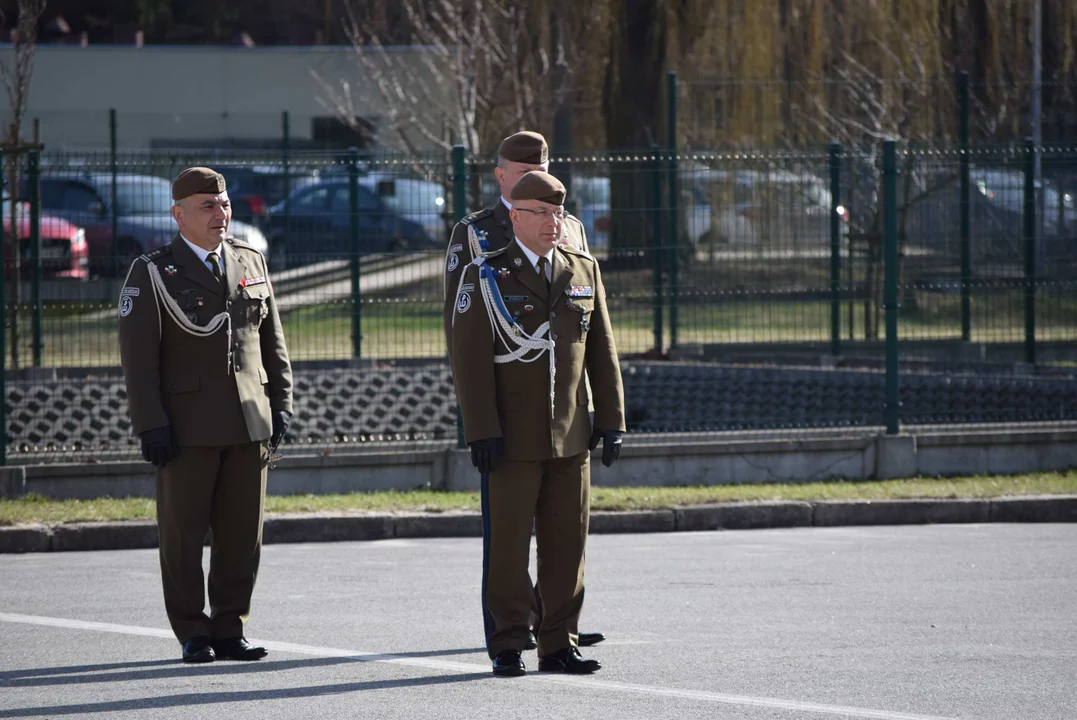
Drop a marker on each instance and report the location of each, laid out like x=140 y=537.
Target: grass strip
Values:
x=37 y=509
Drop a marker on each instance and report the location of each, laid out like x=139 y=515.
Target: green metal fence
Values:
x=904 y=272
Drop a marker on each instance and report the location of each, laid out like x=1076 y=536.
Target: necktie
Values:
x=214 y=261
x=543 y=264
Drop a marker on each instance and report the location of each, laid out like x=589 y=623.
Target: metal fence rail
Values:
x=750 y=290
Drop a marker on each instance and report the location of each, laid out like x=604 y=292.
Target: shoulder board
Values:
x=495 y=253
x=236 y=242
x=476 y=216
x=158 y=253
x=573 y=250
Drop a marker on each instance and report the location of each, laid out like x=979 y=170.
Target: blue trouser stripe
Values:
x=487 y=618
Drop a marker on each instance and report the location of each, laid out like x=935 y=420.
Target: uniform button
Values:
x=553 y=315
x=238 y=367
x=553 y=337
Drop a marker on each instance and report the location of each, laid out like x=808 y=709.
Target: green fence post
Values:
x=890 y=291
x=1030 y=251
x=285 y=149
x=113 y=145
x=353 y=216
x=34 y=182
x=459 y=210
x=966 y=232
x=834 y=152
x=656 y=244
x=674 y=261
x=3 y=346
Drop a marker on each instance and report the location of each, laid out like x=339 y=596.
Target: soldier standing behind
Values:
x=208 y=383
x=529 y=319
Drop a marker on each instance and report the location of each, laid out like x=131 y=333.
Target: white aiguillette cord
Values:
x=510 y=333
x=215 y=323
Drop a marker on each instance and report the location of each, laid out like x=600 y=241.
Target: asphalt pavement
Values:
x=888 y=622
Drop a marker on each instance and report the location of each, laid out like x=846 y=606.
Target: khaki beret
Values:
x=525 y=147
x=538 y=185
x=197 y=180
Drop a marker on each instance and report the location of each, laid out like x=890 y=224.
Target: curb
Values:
x=729 y=516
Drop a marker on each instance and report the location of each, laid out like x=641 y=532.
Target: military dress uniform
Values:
x=520 y=349
x=493 y=232
x=206 y=357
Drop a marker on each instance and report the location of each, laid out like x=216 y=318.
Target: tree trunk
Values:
x=633 y=101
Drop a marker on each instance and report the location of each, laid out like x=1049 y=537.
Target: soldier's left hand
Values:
x=281 y=420
x=611 y=444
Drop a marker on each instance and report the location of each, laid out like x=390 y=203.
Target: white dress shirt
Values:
x=202 y=254
x=535 y=258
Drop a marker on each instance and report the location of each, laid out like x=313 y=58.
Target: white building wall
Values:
x=163 y=93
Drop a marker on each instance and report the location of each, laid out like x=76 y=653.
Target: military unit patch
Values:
x=456 y=248
x=127 y=304
x=454 y=262
x=132 y=291
x=464 y=303
x=467 y=287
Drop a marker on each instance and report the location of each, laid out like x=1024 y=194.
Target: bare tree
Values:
x=471 y=77
x=16 y=79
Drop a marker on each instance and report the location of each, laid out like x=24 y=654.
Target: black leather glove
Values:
x=158 y=447
x=611 y=444
x=485 y=454
x=281 y=420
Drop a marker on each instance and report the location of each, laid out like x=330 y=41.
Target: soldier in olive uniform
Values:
x=208 y=384
x=529 y=320
x=518 y=154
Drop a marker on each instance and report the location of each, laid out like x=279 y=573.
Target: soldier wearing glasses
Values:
x=529 y=320
x=517 y=155
x=209 y=386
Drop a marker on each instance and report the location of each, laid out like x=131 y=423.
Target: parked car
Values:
x=253 y=189
x=317 y=225
x=591 y=194
x=421 y=201
x=64 y=252
x=771 y=208
x=996 y=216
x=143 y=210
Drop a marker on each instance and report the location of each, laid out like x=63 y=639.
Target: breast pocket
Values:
x=255 y=303
x=580 y=310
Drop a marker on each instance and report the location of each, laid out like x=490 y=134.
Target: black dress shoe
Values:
x=238 y=649
x=589 y=639
x=509 y=664
x=198 y=650
x=568 y=661
x=532 y=643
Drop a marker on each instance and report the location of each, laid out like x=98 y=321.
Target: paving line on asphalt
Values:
x=588 y=682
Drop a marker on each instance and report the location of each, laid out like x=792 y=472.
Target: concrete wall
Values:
x=695 y=462
x=186 y=93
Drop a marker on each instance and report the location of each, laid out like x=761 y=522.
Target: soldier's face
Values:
x=537 y=224
x=508 y=172
x=204 y=219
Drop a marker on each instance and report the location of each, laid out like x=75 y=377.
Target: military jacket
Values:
x=513 y=399
x=206 y=357
x=495 y=226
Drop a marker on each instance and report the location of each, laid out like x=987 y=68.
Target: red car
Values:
x=64 y=252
